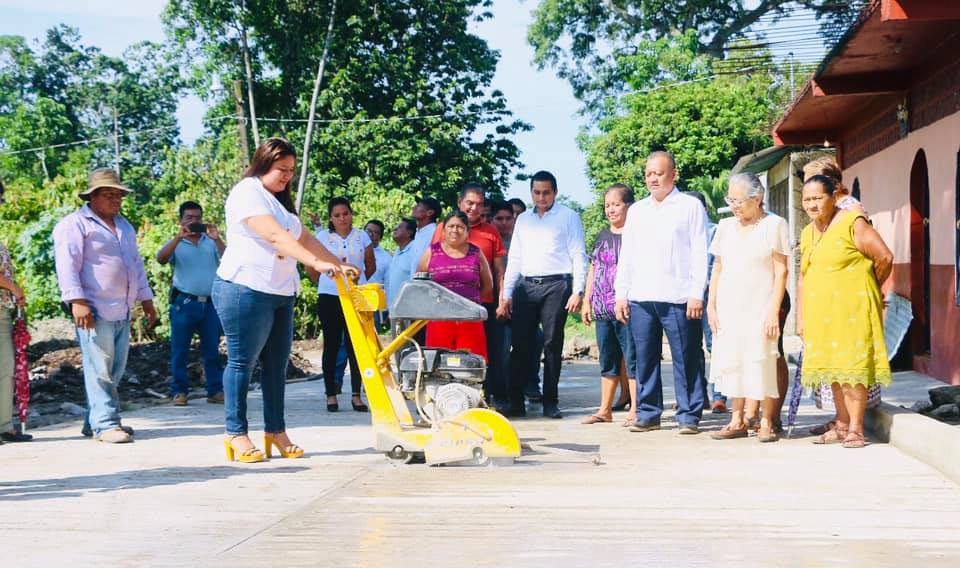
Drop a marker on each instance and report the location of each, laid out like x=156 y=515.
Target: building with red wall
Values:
x=888 y=98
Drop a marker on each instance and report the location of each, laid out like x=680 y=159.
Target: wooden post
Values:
x=244 y=145
x=313 y=109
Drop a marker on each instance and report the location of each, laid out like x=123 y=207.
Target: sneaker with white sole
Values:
x=115 y=436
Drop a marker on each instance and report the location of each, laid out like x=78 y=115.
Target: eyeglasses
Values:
x=733 y=202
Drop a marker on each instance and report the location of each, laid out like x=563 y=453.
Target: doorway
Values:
x=920 y=255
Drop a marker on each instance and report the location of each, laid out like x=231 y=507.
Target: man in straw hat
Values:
x=101 y=277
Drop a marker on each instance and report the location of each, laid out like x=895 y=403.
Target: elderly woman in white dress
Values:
x=746 y=289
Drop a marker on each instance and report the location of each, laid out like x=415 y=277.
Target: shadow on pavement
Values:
x=54 y=488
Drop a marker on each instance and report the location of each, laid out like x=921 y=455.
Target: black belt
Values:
x=547 y=278
x=201 y=299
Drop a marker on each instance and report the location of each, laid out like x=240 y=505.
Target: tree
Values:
x=585 y=40
x=65 y=92
x=405 y=102
x=719 y=112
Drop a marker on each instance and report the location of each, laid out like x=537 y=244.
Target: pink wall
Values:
x=885 y=188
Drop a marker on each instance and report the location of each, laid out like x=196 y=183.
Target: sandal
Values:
x=728 y=433
x=767 y=435
x=823 y=428
x=594 y=419
x=249 y=455
x=752 y=424
x=291 y=451
x=834 y=436
x=629 y=422
x=854 y=440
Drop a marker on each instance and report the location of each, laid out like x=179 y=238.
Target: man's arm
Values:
x=621 y=283
x=166 y=251
x=698 y=262
x=214 y=233
x=578 y=257
x=68 y=259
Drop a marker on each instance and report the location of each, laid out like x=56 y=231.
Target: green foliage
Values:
x=64 y=91
x=707 y=119
x=590 y=42
x=406 y=109
x=34 y=254
x=390 y=65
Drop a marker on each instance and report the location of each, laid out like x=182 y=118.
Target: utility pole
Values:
x=313 y=109
x=244 y=145
x=249 y=70
x=793 y=84
x=116 y=142
x=42 y=156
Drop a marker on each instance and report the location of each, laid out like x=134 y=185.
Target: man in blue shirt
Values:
x=195 y=255
x=404 y=262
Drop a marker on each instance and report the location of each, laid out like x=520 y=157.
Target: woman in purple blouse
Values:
x=618 y=360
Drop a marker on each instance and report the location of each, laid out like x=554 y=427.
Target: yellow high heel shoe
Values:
x=251 y=455
x=291 y=451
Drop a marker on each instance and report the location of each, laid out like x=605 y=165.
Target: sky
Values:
x=537 y=97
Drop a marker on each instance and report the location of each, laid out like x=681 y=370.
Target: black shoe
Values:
x=358 y=406
x=533 y=394
x=551 y=411
x=15 y=437
x=516 y=411
x=333 y=406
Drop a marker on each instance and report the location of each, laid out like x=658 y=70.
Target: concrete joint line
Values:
x=325 y=494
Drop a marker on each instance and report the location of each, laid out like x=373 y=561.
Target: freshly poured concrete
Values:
x=656 y=499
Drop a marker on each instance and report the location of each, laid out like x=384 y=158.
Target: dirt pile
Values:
x=56 y=376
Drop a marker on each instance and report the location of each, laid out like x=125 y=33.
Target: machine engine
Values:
x=450 y=381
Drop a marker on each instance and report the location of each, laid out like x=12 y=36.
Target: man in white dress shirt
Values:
x=661 y=276
x=544 y=281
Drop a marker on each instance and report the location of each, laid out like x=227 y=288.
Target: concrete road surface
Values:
x=656 y=499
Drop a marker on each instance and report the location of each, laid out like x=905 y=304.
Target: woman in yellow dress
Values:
x=843 y=262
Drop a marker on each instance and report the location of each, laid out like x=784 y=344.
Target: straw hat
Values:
x=104 y=177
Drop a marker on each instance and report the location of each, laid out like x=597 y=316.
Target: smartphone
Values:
x=197 y=228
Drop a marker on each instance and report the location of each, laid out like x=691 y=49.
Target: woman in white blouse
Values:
x=254 y=293
x=354 y=247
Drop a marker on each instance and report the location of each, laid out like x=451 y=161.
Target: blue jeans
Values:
x=341 y=364
x=615 y=343
x=648 y=322
x=104 y=351
x=258 y=326
x=188 y=316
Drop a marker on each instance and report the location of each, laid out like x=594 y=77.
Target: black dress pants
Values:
x=334 y=329
x=538 y=301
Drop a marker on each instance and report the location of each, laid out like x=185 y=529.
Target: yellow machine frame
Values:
x=475 y=436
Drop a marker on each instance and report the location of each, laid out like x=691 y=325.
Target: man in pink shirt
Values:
x=101 y=277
